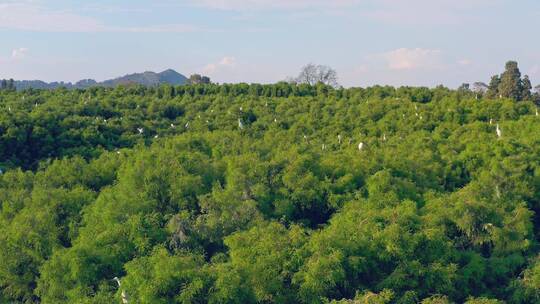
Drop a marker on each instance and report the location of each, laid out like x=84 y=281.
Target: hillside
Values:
x=268 y=194
x=146 y=78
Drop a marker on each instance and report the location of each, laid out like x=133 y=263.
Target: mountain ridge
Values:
x=147 y=78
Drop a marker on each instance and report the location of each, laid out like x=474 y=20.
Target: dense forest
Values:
x=283 y=193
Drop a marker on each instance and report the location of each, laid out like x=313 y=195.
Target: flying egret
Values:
x=499 y=132
x=360 y=146
x=141 y=130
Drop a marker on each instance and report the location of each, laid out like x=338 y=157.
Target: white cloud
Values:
x=407 y=59
x=27 y=16
x=226 y=62
x=19 y=53
x=464 y=62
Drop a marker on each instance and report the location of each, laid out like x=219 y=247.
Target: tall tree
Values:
x=493 y=88
x=511 y=86
x=4 y=84
x=11 y=85
x=526 y=88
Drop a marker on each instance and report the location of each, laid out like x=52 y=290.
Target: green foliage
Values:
x=434 y=207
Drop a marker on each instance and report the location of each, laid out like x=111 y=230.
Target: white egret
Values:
x=360 y=146
x=490 y=121
x=156 y=136
x=124 y=295
x=339 y=138
x=275 y=119
x=141 y=130
x=240 y=124
x=323 y=147
x=536 y=112
x=384 y=137
x=499 y=132
x=172 y=126
x=186 y=125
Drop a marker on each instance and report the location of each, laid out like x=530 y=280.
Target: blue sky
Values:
x=396 y=42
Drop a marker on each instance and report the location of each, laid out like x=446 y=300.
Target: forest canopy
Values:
x=283 y=193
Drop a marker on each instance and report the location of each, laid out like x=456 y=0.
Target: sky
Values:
x=368 y=42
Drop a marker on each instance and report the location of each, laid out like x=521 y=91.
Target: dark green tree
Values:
x=493 y=88
x=511 y=85
x=526 y=88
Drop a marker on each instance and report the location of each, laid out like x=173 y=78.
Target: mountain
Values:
x=146 y=78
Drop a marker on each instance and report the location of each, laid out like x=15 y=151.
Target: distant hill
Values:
x=146 y=78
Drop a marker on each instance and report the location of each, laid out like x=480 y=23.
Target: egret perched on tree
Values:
x=172 y=126
x=323 y=146
x=156 y=136
x=186 y=125
x=499 y=132
x=240 y=124
x=384 y=137
x=123 y=293
x=536 y=112
x=141 y=130
x=339 y=138
x=360 y=146
x=490 y=121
